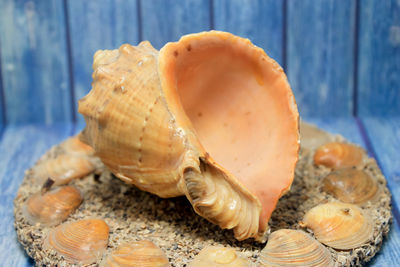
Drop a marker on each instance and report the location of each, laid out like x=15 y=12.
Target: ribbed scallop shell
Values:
x=142 y=253
x=162 y=121
x=338 y=155
x=219 y=256
x=52 y=207
x=350 y=185
x=80 y=242
x=74 y=145
x=287 y=247
x=62 y=169
x=339 y=225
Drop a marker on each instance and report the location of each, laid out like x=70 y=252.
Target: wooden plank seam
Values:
x=69 y=62
x=373 y=154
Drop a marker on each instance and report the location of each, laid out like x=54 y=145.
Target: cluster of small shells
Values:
x=341 y=225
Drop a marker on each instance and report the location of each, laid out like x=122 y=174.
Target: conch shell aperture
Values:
x=211 y=117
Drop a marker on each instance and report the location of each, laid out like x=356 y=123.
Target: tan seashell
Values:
x=62 y=169
x=339 y=225
x=80 y=242
x=52 y=207
x=218 y=256
x=211 y=117
x=287 y=247
x=350 y=185
x=338 y=155
x=141 y=253
x=74 y=145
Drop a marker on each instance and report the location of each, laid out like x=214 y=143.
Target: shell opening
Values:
x=240 y=105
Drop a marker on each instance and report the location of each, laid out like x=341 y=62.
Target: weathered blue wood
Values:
x=320 y=43
x=389 y=254
x=20 y=147
x=384 y=137
x=2 y=106
x=98 y=25
x=379 y=58
x=259 y=20
x=34 y=61
x=167 y=20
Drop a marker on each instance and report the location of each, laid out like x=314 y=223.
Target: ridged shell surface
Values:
x=350 y=185
x=219 y=256
x=62 y=169
x=142 y=253
x=287 y=247
x=338 y=155
x=339 y=225
x=52 y=207
x=160 y=120
x=80 y=242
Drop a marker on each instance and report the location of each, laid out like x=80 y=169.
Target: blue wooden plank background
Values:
x=379 y=58
x=260 y=20
x=342 y=59
x=167 y=20
x=34 y=61
x=320 y=44
x=95 y=26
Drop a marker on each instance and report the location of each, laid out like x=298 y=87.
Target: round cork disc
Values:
x=173 y=225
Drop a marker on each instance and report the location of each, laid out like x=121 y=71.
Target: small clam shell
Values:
x=62 y=169
x=80 y=242
x=141 y=253
x=294 y=248
x=74 y=145
x=218 y=256
x=339 y=225
x=52 y=207
x=350 y=185
x=338 y=155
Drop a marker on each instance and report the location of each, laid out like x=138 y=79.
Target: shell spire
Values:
x=211 y=117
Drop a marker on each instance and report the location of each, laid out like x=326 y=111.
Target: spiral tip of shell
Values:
x=80 y=242
x=339 y=225
x=218 y=256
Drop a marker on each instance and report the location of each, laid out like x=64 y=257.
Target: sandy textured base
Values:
x=172 y=224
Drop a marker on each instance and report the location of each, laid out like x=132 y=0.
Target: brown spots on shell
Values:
x=339 y=225
x=189 y=48
x=176 y=53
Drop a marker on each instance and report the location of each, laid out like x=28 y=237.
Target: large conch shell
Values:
x=211 y=117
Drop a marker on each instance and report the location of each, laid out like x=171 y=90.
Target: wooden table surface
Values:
x=21 y=146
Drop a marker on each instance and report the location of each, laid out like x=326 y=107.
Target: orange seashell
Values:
x=62 y=169
x=142 y=253
x=350 y=185
x=338 y=155
x=287 y=247
x=339 y=225
x=219 y=256
x=211 y=117
x=74 y=145
x=80 y=242
x=52 y=207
